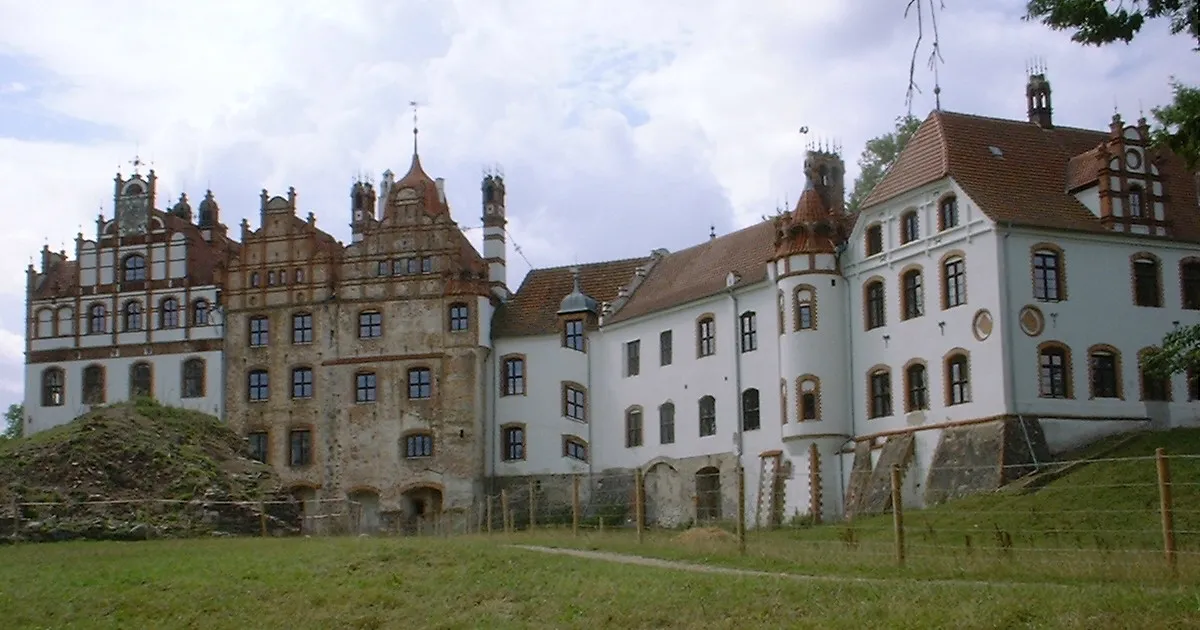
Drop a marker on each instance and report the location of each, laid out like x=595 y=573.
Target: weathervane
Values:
x=136 y=162
x=414 y=106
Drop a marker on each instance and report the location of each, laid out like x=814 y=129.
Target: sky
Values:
x=620 y=126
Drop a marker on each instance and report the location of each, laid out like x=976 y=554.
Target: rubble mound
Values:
x=138 y=470
x=705 y=536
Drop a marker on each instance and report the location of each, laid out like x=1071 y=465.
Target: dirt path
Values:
x=609 y=556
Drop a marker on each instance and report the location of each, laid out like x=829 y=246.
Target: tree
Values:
x=1179 y=352
x=14 y=419
x=879 y=155
x=1096 y=25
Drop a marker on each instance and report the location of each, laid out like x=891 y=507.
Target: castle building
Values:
x=990 y=304
x=136 y=313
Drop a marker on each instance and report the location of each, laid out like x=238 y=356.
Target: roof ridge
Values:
x=592 y=264
x=1016 y=121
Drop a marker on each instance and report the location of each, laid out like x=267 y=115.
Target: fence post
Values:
x=16 y=507
x=575 y=505
x=639 y=505
x=741 y=509
x=489 y=514
x=532 y=506
x=262 y=517
x=898 y=515
x=504 y=509
x=1166 y=509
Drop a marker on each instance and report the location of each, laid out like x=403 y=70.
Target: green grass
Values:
x=473 y=582
x=1101 y=522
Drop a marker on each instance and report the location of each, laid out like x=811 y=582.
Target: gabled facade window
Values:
x=259 y=444
x=875 y=304
x=947 y=213
x=141 y=380
x=573 y=335
x=666 y=423
x=1189 y=283
x=916 y=387
x=1137 y=207
x=418 y=445
x=260 y=331
x=168 y=313
x=958 y=380
x=94 y=387
x=706 y=337
x=370 y=325
x=302 y=382
x=633 y=357
x=633 y=427
x=954 y=282
x=1104 y=367
x=420 y=383
x=880 y=383
x=664 y=348
x=1048 y=275
x=364 y=387
x=302 y=328
x=874 y=239
x=912 y=294
x=514 y=376
x=53 y=387
x=300 y=447
x=258 y=385
x=1147 y=281
x=575 y=448
x=708 y=416
x=574 y=402
x=748 y=323
x=460 y=317
x=751 y=418
x=193 y=384
x=910 y=227
x=1054 y=370
x=513 y=437
x=133 y=268
x=806 y=308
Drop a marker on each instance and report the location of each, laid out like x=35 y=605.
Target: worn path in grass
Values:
x=611 y=556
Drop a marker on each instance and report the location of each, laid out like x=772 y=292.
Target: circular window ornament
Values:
x=1032 y=321
x=1133 y=159
x=982 y=324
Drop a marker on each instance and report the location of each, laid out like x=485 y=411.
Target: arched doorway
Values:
x=708 y=494
x=666 y=504
x=368 y=510
x=422 y=505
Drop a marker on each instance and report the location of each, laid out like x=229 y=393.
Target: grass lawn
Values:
x=473 y=582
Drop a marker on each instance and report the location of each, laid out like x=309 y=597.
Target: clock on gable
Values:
x=132 y=215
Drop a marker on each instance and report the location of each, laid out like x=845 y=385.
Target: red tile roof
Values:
x=1028 y=183
x=533 y=309
x=700 y=271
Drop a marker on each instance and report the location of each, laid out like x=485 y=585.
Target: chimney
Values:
x=441 y=188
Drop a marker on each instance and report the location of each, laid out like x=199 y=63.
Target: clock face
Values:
x=1133 y=159
x=132 y=216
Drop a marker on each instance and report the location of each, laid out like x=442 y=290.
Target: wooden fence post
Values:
x=489 y=514
x=575 y=506
x=741 y=509
x=639 y=506
x=532 y=506
x=1166 y=509
x=262 y=517
x=504 y=509
x=898 y=515
x=16 y=507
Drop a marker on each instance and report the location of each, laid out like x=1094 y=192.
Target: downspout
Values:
x=741 y=420
x=842 y=481
x=492 y=401
x=1010 y=404
x=591 y=419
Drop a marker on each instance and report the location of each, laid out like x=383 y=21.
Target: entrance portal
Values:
x=368 y=510
x=423 y=505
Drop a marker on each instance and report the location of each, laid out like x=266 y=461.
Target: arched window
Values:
x=633 y=427
x=912 y=294
x=93 y=385
x=141 y=380
x=1147 y=281
x=954 y=282
x=876 y=307
x=666 y=423
x=706 y=337
x=808 y=398
x=133 y=316
x=1104 y=371
x=193 y=385
x=806 y=308
x=200 y=313
x=97 y=319
x=916 y=387
x=880 y=388
x=958 y=379
x=43 y=327
x=748 y=324
x=947 y=213
x=1054 y=370
x=133 y=268
x=168 y=313
x=708 y=416
x=575 y=448
x=751 y=418
x=53 y=382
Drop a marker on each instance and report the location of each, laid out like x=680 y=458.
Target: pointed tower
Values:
x=1037 y=98
x=362 y=209
x=494 y=246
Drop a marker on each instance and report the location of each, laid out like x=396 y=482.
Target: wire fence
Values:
x=1136 y=517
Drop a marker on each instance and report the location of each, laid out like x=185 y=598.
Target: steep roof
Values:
x=1028 y=183
x=700 y=271
x=533 y=309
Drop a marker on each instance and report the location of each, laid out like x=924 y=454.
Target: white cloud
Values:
x=622 y=126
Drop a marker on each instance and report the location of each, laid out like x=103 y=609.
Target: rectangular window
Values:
x=399 y=266
x=664 y=348
x=258 y=442
x=804 y=318
x=914 y=295
x=384 y=268
x=1053 y=379
x=633 y=428
x=749 y=327
x=364 y=387
x=573 y=334
x=302 y=382
x=370 y=325
x=876 y=307
x=948 y=213
x=575 y=449
x=1145 y=283
x=300 y=447
x=575 y=403
x=633 y=358
x=193 y=378
x=750 y=416
x=514 y=443
x=1047 y=287
x=427 y=264
x=708 y=416
x=418 y=445
x=414 y=265
x=706 y=337
x=259 y=331
x=956 y=283
x=1104 y=375
x=258 y=384
x=881 y=395
x=918 y=388
x=460 y=317
x=302 y=328
x=666 y=424
x=514 y=377
x=420 y=383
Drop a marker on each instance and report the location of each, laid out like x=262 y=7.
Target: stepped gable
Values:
x=700 y=271
x=1030 y=184
x=533 y=309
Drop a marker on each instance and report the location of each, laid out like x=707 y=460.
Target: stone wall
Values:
x=983 y=457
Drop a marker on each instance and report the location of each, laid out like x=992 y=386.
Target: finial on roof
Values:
x=414 y=106
x=712 y=231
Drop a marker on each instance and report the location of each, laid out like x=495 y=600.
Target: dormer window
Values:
x=573 y=334
x=1136 y=207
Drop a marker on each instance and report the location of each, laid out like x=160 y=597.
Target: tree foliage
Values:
x=14 y=422
x=1179 y=352
x=878 y=156
x=1180 y=124
x=1096 y=24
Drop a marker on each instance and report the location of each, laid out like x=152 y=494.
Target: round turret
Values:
x=182 y=208
x=209 y=211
